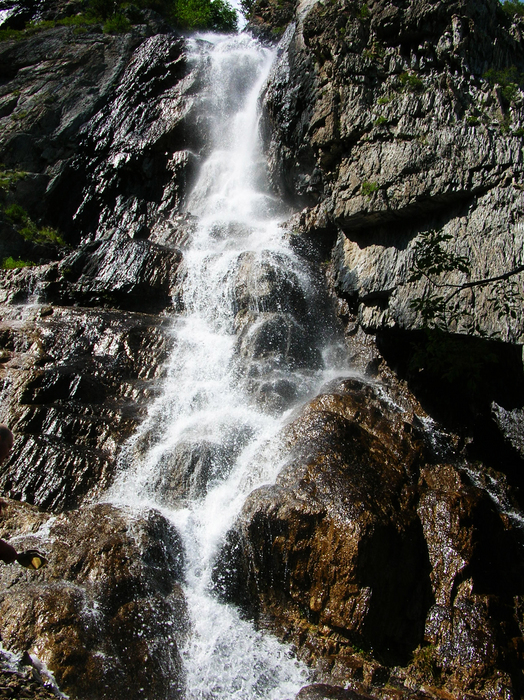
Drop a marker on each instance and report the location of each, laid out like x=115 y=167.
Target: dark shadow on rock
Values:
x=396 y=567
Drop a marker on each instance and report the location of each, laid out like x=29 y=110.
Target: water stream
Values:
x=247 y=350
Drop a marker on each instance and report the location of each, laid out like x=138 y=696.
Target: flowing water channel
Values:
x=248 y=348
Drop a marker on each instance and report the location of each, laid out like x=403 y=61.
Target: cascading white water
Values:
x=206 y=415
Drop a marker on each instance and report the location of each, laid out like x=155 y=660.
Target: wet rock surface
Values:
x=374 y=550
x=107 y=613
x=23 y=684
x=75 y=383
x=389 y=550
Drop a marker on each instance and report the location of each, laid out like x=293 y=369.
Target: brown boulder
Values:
x=107 y=614
x=369 y=553
x=335 y=545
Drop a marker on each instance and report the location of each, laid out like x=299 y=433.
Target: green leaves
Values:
x=119 y=16
x=19 y=218
x=513 y=7
x=431 y=258
x=11 y=264
x=205 y=14
x=410 y=82
x=437 y=305
x=368 y=188
x=509 y=81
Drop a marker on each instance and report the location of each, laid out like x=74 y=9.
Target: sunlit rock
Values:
x=107 y=614
x=75 y=385
x=364 y=543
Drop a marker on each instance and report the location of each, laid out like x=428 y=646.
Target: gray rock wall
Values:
x=389 y=550
x=384 y=124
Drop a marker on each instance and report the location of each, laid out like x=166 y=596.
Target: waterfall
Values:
x=248 y=347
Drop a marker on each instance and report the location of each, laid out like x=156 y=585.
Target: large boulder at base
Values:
x=371 y=539
x=107 y=614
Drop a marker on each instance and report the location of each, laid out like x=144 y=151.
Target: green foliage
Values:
x=460 y=361
x=363 y=12
x=431 y=258
x=12 y=264
x=9 y=34
x=18 y=216
x=76 y=21
x=205 y=14
x=411 y=82
x=368 y=188
x=385 y=100
x=246 y=6
x=119 y=16
x=436 y=305
x=117 y=24
x=380 y=121
x=509 y=81
x=8 y=178
x=513 y=7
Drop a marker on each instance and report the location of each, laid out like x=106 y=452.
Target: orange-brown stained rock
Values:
x=367 y=543
x=107 y=613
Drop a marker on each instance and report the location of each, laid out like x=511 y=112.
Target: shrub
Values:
x=117 y=24
x=513 y=7
x=205 y=14
x=12 y=264
x=363 y=12
x=119 y=15
x=368 y=188
x=411 y=82
x=10 y=177
x=508 y=79
x=18 y=216
x=7 y=34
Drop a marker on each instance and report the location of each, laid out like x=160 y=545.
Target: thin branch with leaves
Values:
x=431 y=260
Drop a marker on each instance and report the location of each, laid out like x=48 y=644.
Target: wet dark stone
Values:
x=362 y=543
x=320 y=691
x=122 y=273
x=79 y=383
x=107 y=614
x=188 y=470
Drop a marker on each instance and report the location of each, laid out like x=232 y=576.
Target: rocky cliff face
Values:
x=390 y=548
x=84 y=337
x=384 y=121
x=389 y=120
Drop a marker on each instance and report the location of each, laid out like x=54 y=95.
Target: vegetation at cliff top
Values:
x=513 y=7
x=120 y=15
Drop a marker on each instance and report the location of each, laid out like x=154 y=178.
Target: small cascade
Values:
x=248 y=347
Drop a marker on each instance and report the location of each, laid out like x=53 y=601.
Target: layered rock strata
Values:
x=389 y=550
